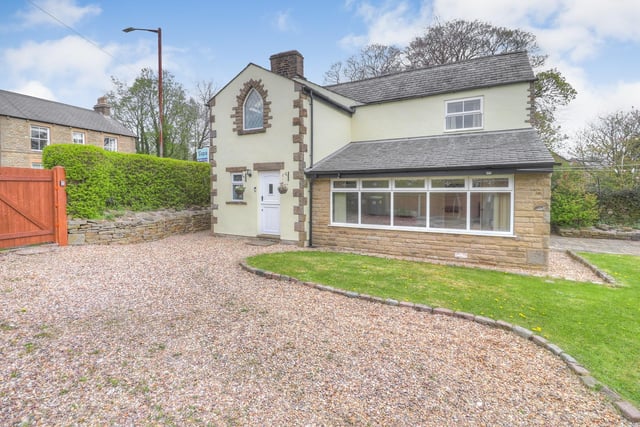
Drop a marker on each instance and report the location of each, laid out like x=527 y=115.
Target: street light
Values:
x=160 y=116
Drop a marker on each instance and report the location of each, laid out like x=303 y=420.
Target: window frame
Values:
x=237 y=179
x=78 y=133
x=39 y=140
x=244 y=111
x=112 y=144
x=356 y=186
x=463 y=113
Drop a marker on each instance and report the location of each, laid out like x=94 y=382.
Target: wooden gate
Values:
x=33 y=207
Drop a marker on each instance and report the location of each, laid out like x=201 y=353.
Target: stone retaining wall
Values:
x=596 y=233
x=136 y=227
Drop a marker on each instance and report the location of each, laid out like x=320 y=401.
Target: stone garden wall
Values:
x=135 y=227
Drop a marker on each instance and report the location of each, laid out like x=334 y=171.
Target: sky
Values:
x=69 y=50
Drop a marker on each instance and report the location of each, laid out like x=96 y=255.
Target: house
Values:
x=439 y=163
x=28 y=124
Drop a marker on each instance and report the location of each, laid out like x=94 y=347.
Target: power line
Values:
x=34 y=4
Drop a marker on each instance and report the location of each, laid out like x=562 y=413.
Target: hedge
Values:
x=98 y=180
x=620 y=207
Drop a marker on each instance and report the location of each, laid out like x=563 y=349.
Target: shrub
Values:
x=98 y=179
x=571 y=205
x=620 y=207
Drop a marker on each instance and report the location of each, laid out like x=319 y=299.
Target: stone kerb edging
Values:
x=601 y=274
x=627 y=410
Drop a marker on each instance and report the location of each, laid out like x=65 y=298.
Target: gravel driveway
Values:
x=174 y=332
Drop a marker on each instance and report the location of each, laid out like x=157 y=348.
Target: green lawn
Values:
x=598 y=325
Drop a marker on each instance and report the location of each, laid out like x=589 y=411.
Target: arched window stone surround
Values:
x=238 y=110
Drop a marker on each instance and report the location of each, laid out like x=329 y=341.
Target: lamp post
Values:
x=160 y=115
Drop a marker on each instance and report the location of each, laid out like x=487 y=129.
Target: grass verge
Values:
x=598 y=325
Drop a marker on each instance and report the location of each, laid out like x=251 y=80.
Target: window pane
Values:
x=253 y=118
x=454 y=107
x=409 y=209
x=491 y=211
x=78 y=137
x=448 y=210
x=345 y=208
x=472 y=105
x=409 y=183
x=345 y=184
x=490 y=182
x=447 y=183
x=111 y=144
x=376 y=208
x=382 y=183
x=236 y=177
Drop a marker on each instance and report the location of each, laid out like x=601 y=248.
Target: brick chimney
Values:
x=102 y=107
x=289 y=64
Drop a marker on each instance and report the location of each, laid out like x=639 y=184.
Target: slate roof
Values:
x=516 y=150
x=41 y=110
x=493 y=70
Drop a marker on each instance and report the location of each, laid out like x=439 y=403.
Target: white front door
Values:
x=269 y=203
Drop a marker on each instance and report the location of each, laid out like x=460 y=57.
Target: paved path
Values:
x=613 y=246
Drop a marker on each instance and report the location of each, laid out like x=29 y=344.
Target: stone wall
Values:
x=596 y=233
x=528 y=247
x=136 y=227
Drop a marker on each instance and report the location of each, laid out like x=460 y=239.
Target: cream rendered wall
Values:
x=331 y=129
x=505 y=107
x=233 y=150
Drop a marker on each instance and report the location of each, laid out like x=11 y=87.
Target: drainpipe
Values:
x=311 y=165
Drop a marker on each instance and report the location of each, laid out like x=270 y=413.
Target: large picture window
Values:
x=478 y=205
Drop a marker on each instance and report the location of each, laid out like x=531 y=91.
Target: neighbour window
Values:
x=237 y=187
x=35 y=165
x=39 y=137
x=463 y=114
x=77 y=137
x=478 y=205
x=253 y=111
x=110 y=144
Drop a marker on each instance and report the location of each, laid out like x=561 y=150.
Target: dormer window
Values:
x=463 y=114
x=253 y=111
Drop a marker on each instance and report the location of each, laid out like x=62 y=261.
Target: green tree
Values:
x=185 y=118
x=459 y=40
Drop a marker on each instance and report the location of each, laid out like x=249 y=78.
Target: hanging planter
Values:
x=282 y=188
x=239 y=190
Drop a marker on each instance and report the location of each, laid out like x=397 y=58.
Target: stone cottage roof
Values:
x=488 y=71
x=41 y=110
x=514 y=150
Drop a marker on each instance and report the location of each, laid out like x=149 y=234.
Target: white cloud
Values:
x=283 y=22
x=51 y=12
x=391 y=24
x=63 y=66
x=35 y=88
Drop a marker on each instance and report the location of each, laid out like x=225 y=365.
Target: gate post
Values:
x=60 y=205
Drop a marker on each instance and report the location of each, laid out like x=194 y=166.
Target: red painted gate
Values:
x=33 y=207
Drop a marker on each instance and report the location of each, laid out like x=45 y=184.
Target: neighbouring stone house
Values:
x=28 y=124
x=437 y=163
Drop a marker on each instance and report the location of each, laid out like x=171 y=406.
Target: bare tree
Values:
x=611 y=147
x=372 y=61
x=459 y=40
